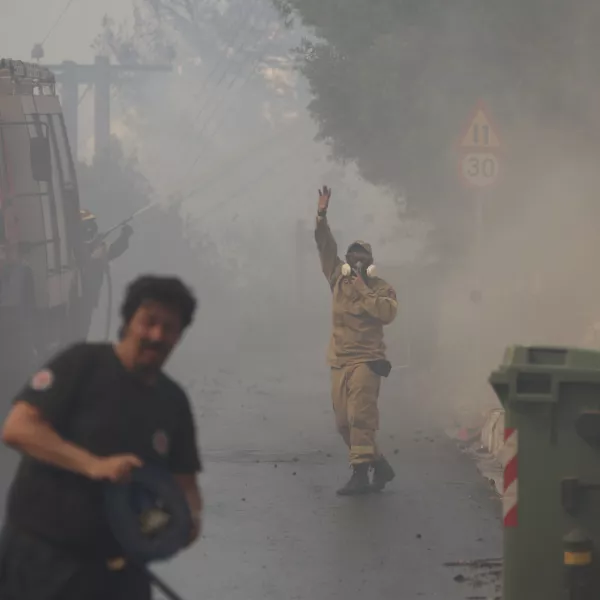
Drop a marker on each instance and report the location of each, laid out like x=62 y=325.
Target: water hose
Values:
x=110 y=300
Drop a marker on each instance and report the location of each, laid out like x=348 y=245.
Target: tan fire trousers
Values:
x=355 y=391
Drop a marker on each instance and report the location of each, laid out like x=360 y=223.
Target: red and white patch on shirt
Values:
x=160 y=442
x=42 y=380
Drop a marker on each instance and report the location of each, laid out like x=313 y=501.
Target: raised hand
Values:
x=324 y=197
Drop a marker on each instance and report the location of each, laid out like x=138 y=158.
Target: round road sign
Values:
x=479 y=169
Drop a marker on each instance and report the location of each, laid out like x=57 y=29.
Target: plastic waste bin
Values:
x=551 y=458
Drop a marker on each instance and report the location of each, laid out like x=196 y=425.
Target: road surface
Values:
x=274 y=529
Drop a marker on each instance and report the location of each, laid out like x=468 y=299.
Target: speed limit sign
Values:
x=479 y=169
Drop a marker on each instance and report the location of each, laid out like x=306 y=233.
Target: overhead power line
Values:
x=225 y=101
x=247 y=68
x=236 y=42
x=226 y=61
x=58 y=21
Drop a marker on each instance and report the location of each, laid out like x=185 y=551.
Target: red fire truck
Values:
x=41 y=246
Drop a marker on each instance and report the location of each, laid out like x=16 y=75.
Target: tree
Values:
x=223 y=52
x=393 y=83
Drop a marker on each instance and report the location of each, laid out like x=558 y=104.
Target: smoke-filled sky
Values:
x=27 y=22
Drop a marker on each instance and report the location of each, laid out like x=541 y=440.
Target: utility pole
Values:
x=101 y=75
x=102 y=105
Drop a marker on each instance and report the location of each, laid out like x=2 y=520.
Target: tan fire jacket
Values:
x=359 y=311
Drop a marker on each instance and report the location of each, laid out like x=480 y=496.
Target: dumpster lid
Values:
x=535 y=373
x=577 y=359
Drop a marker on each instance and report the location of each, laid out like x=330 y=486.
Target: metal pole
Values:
x=102 y=107
x=300 y=260
x=479 y=200
x=168 y=591
x=155 y=580
x=479 y=334
x=101 y=75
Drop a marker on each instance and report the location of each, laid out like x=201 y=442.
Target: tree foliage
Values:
x=213 y=30
x=227 y=83
x=393 y=83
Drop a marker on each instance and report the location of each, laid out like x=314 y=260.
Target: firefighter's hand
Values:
x=116 y=469
x=196 y=529
x=324 y=197
x=127 y=231
x=359 y=280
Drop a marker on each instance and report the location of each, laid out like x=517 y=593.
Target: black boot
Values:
x=382 y=474
x=359 y=482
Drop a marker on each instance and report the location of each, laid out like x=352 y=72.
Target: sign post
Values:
x=479 y=147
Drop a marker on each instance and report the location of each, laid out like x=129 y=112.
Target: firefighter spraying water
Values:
x=99 y=256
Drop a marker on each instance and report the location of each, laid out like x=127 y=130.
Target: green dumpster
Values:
x=551 y=459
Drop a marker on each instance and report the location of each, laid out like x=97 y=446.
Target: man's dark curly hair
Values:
x=168 y=291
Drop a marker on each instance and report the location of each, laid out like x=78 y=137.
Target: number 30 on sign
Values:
x=479 y=169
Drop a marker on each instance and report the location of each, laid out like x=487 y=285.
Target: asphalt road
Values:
x=274 y=528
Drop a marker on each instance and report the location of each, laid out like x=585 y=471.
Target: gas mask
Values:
x=369 y=272
x=359 y=260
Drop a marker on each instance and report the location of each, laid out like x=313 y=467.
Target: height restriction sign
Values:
x=478 y=146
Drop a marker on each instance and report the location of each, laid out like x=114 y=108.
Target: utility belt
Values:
x=381 y=367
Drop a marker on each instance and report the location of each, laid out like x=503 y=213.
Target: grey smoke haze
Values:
x=243 y=146
x=242 y=149
x=229 y=131
x=26 y=22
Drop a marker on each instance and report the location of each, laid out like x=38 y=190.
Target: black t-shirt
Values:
x=91 y=400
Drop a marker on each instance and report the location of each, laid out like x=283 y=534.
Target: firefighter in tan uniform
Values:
x=362 y=305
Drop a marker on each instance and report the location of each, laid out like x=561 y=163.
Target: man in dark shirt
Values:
x=92 y=415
